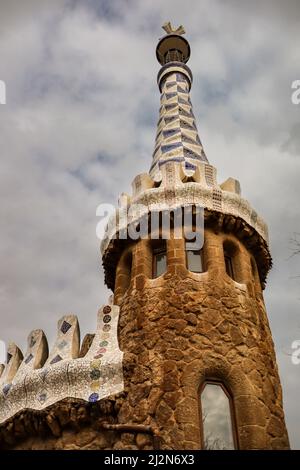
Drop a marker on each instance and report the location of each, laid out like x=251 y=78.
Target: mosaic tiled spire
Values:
x=177 y=137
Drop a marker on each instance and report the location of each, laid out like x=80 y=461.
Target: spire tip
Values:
x=170 y=30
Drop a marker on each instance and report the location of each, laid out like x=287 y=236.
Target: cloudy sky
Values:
x=79 y=124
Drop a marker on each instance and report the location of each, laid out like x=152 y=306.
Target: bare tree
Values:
x=295 y=244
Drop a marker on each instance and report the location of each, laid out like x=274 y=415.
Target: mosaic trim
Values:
x=97 y=375
x=217 y=199
x=176 y=125
x=204 y=191
x=209 y=175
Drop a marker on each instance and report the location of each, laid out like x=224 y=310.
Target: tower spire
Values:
x=177 y=137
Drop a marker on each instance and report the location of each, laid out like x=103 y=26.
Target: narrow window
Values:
x=229 y=266
x=194 y=261
x=159 y=261
x=194 y=258
x=218 y=430
x=231 y=259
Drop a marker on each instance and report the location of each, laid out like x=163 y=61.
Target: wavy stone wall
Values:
x=177 y=137
x=182 y=328
x=38 y=380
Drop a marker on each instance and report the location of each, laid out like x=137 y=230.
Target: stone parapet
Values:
x=175 y=187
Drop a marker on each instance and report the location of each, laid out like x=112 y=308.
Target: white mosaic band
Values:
x=36 y=383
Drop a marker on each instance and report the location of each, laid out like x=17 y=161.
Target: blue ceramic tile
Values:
x=65 y=327
x=170 y=132
x=186 y=125
x=169 y=119
x=56 y=359
x=181 y=90
x=190 y=166
x=168 y=107
x=28 y=359
x=170 y=84
x=170 y=147
x=175 y=159
x=180 y=77
x=6 y=389
x=183 y=101
x=171 y=95
x=93 y=397
x=190 y=154
x=188 y=140
x=183 y=112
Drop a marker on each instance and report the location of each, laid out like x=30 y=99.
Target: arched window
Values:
x=218 y=426
x=123 y=276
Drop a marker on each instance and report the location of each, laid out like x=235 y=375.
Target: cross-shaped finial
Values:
x=170 y=30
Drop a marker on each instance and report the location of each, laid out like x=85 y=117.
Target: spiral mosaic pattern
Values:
x=177 y=137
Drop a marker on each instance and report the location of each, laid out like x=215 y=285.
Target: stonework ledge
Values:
x=73 y=424
x=172 y=187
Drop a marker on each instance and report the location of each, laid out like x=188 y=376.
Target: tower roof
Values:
x=180 y=174
x=177 y=137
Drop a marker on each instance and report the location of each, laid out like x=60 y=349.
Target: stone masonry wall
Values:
x=175 y=331
x=182 y=328
x=74 y=425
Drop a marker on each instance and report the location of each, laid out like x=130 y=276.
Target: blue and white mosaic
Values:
x=177 y=136
x=41 y=379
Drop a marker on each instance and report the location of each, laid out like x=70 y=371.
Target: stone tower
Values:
x=199 y=361
x=183 y=356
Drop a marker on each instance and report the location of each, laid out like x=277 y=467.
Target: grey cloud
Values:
x=14 y=13
x=292 y=143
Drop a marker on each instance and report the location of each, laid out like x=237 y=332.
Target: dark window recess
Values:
x=189 y=179
x=173 y=55
x=229 y=266
x=195 y=261
x=159 y=262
